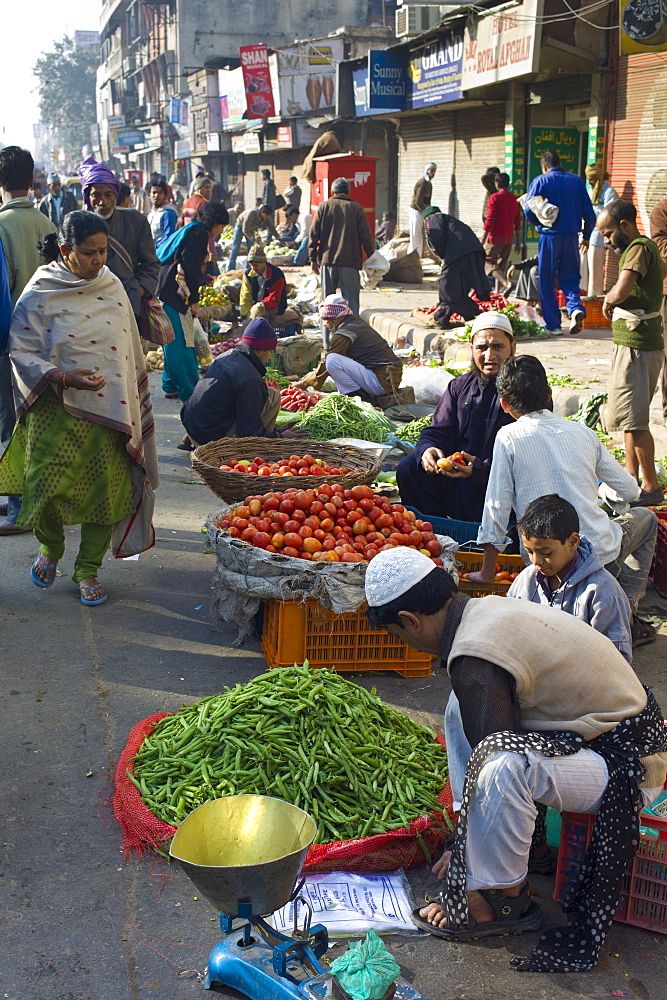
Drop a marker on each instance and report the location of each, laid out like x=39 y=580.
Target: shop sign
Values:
x=232 y=97
x=305 y=134
x=564 y=141
x=251 y=142
x=643 y=26
x=182 y=149
x=284 y=136
x=360 y=91
x=175 y=111
x=130 y=137
x=257 y=80
x=502 y=46
x=238 y=144
x=387 y=80
x=185 y=113
x=213 y=142
x=115 y=145
x=305 y=75
x=435 y=72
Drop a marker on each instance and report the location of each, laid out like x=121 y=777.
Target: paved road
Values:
x=80 y=921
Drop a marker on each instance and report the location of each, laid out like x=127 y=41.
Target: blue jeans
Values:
x=302 y=253
x=7 y=421
x=236 y=246
x=558 y=254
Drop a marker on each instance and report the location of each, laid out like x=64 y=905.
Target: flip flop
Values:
x=89 y=602
x=642 y=631
x=33 y=574
x=507 y=910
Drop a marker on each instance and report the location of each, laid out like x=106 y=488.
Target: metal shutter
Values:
x=423 y=139
x=479 y=143
x=638 y=146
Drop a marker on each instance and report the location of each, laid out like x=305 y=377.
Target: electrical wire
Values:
x=554 y=18
x=601 y=27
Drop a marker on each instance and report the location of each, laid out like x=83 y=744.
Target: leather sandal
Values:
x=513 y=915
x=642 y=631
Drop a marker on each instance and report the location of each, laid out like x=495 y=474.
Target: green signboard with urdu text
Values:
x=564 y=141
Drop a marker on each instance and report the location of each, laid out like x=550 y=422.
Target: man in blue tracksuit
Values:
x=558 y=252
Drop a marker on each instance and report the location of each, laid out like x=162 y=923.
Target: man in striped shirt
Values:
x=541 y=454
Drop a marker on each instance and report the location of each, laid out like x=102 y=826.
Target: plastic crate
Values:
x=658 y=574
x=595 y=318
x=643 y=899
x=460 y=531
x=295 y=632
x=472 y=561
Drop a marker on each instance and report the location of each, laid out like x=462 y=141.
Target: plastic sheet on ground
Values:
x=351 y=903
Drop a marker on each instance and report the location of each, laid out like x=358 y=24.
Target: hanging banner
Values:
x=257 y=81
x=643 y=26
x=435 y=72
x=503 y=46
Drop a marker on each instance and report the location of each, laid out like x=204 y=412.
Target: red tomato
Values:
x=361 y=493
x=271 y=503
x=329 y=544
x=305 y=531
x=326 y=524
x=352 y=557
x=289 y=550
x=287 y=506
x=434 y=547
x=292 y=540
x=278 y=540
x=360 y=527
x=261 y=539
x=312 y=545
x=247 y=535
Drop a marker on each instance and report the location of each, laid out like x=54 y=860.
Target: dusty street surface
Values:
x=79 y=921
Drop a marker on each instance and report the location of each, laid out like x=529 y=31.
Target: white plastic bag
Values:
x=202 y=346
x=373 y=270
x=428 y=383
x=350 y=904
x=530 y=313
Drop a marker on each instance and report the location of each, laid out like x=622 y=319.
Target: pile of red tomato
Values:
x=329 y=524
x=296 y=400
x=295 y=465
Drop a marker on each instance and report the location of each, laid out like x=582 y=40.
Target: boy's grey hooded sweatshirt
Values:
x=589 y=591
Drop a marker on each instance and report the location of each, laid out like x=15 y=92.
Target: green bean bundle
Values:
x=412 y=432
x=309 y=737
x=338 y=416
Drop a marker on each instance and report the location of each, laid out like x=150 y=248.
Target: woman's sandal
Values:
x=511 y=917
x=50 y=567
x=92 y=601
x=642 y=631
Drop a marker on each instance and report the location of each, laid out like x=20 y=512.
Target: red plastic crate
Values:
x=658 y=574
x=296 y=632
x=643 y=899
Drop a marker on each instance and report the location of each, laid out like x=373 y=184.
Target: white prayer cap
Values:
x=393 y=573
x=491 y=321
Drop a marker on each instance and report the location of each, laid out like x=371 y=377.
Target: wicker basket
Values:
x=207 y=459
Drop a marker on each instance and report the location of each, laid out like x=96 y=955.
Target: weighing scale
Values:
x=244 y=854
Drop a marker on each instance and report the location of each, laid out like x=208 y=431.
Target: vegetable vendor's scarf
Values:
x=592 y=901
x=67 y=322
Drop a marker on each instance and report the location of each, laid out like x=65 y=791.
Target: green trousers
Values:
x=95 y=541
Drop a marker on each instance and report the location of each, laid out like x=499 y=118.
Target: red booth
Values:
x=359 y=171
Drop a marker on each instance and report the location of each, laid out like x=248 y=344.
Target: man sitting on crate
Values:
x=264 y=293
x=232 y=399
x=556 y=717
x=357 y=358
x=539 y=453
x=467 y=419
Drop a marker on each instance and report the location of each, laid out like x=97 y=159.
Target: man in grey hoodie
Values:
x=565 y=573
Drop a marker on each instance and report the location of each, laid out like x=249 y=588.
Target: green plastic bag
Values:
x=367 y=969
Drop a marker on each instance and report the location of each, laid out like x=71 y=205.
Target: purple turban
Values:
x=91 y=172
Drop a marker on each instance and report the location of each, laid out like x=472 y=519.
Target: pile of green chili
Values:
x=338 y=416
x=412 y=432
x=309 y=737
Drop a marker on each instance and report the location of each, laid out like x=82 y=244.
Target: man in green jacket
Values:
x=21 y=228
x=634 y=306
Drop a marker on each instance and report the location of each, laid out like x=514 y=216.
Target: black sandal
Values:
x=642 y=631
x=513 y=915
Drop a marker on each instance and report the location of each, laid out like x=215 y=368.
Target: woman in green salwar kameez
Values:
x=83 y=446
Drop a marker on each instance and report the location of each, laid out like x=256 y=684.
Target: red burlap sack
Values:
x=142 y=831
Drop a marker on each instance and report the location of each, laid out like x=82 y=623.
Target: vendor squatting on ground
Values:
x=543 y=731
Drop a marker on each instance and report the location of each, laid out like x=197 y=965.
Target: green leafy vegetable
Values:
x=412 y=432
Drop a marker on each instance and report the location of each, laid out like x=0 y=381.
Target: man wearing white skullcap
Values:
x=467 y=419
x=57 y=203
x=358 y=359
x=421 y=199
x=551 y=714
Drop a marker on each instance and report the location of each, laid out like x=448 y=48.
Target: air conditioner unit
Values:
x=414 y=19
x=576 y=116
